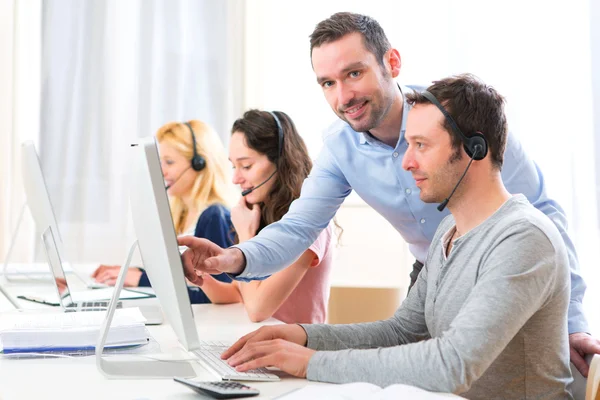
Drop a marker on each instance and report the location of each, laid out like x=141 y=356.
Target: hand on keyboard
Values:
x=210 y=354
x=287 y=356
x=290 y=332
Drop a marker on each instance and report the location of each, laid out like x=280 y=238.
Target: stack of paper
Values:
x=39 y=332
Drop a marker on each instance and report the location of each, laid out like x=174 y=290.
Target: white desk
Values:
x=78 y=378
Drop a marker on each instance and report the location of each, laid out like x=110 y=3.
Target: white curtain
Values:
x=20 y=44
x=113 y=71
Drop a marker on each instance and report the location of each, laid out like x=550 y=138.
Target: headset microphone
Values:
x=178 y=178
x=248 y=191
x=444 y=203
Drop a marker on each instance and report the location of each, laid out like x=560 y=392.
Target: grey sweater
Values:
x=488 y=322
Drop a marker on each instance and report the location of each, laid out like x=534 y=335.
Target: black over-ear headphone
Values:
x=198 y=162
x=279 y=134
x=476 y=145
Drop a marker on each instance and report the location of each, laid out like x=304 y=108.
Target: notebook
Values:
x=25 y=332
x=363 y=390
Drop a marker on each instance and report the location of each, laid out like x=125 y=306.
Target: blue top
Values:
x=354 y=160
x=215 y=225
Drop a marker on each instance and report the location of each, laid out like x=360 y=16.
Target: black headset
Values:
x=198 y=162
x=279 y=153
x=476 y=145
x=280 y=135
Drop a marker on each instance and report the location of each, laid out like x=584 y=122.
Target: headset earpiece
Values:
x=198 y=162
x=475 y=146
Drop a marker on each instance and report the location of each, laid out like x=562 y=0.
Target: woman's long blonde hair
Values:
x=212 y=184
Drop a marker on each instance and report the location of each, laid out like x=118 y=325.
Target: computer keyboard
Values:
x=210 y=354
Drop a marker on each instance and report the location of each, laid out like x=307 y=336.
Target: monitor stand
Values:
x=146 y=369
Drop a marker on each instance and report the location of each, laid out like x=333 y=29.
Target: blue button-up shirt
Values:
x=357 y=161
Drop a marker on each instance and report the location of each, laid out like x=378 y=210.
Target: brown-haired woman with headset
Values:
x=270 y=162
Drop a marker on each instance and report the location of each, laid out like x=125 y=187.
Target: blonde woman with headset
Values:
x=195 y=170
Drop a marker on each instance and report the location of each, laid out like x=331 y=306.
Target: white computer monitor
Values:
x=161 y=258
x=36 y=192
x=158 y=242
x=38 y=199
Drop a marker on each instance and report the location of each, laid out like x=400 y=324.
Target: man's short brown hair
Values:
x=475 y=107
x=345 y=23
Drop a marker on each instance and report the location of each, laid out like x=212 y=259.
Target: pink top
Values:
x=308 y=302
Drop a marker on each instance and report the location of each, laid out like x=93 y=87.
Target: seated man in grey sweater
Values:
x=487 y=317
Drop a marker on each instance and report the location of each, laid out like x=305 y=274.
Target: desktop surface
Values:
x=40 y=378
x=78 y=377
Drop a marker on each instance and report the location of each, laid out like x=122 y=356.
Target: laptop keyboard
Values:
x=210 y=353
x=92 y=305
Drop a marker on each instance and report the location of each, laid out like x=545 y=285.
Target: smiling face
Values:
x=434 y=164
x=251 y=168
x=355 y=85
x=176 y=170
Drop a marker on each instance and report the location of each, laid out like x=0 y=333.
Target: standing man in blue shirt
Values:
x=355 y=66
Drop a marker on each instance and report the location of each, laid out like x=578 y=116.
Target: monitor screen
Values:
x=58 y=272
x=157 y=240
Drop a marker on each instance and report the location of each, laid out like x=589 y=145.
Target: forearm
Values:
x=281 y=243
x=351 y=336
x=263 y=298
x=258 y=304
x=407 y=325
x=220 y=292
x=417 y=364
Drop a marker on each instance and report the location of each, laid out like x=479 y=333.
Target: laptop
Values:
x=90 y=300
x=162 y=261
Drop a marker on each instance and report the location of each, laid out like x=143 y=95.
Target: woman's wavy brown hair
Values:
x=261 y=135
